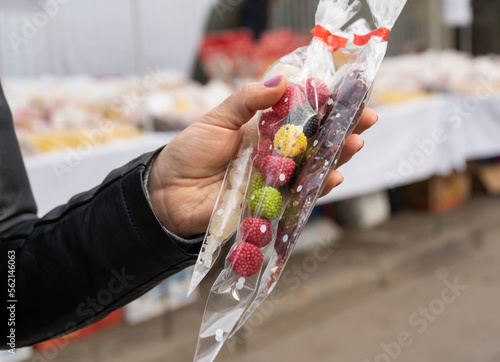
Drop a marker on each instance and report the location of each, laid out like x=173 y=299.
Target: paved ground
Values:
x=355 y=304
x=422 y=319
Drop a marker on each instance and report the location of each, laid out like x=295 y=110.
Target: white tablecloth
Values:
x=415 y=140
x=411 y=142
x=57 y=176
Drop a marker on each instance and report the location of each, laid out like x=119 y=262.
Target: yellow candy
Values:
x=290 y=141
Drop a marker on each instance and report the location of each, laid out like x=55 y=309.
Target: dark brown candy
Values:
x=290 y=215
x=351 y=93
x=352 y=90
x=327 y=109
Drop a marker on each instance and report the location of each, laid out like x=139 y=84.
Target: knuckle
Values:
x=244 y=90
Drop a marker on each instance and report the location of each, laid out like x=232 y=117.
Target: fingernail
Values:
x=273 y=82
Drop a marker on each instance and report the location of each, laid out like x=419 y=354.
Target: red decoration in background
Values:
x=235 y=53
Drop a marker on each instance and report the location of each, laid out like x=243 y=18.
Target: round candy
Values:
x=290 y=140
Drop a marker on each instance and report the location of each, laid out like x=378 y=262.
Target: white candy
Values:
x=240 y=170
x=224 y=223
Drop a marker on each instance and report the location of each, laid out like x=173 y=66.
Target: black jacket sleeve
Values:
x=82 y=260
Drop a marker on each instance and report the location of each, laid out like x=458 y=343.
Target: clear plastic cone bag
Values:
x=282 y=165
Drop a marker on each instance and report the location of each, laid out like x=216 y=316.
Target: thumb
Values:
x=241 y=106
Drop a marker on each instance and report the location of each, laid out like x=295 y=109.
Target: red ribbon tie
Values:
x=333 y=41
x=363 y=39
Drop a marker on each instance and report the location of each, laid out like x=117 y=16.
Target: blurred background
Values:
x=399 y=263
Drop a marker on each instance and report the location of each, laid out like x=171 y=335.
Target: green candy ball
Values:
x=266 y=202
x=257 y=182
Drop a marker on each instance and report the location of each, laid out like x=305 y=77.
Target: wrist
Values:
x=155 y=190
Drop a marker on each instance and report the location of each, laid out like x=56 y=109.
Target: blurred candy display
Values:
x=52 y=113
x=235 y=54
x=412 y=76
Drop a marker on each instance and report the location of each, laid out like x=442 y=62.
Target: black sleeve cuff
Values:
x=149 y=227
x=192 y=244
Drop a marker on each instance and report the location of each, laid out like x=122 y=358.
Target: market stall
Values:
x=74 y=130
x=412 y=141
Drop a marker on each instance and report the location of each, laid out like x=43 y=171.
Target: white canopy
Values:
x=99 y=37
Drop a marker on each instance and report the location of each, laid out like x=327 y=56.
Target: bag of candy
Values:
x=285 y=158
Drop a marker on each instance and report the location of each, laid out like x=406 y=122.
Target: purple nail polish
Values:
x=273 y=81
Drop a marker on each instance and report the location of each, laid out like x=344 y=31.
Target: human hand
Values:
x=186 y=176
